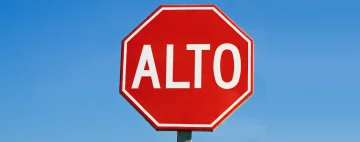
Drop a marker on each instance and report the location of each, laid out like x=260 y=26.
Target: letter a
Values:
x=146 y=57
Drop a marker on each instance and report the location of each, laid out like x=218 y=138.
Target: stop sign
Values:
x=186 y=67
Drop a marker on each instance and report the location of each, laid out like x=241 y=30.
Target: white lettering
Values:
x=146 y=57
x=237 y=66
x=198 y=60
x=169 y=70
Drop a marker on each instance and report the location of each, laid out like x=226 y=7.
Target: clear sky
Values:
x=59 y=71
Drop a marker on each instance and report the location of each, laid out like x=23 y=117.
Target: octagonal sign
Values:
x=186 y=67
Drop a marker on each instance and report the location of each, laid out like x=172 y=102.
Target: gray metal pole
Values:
x=183 y=136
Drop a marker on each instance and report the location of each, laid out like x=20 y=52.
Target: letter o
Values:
x=237 y=66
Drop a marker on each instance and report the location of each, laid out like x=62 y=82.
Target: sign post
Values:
x=184 y=136
x=187 y=68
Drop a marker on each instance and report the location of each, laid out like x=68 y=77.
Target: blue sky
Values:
x=60 y=71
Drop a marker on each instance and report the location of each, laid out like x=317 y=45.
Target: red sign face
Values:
x=186 y=67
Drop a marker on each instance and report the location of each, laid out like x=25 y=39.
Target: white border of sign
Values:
x=227 y=110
